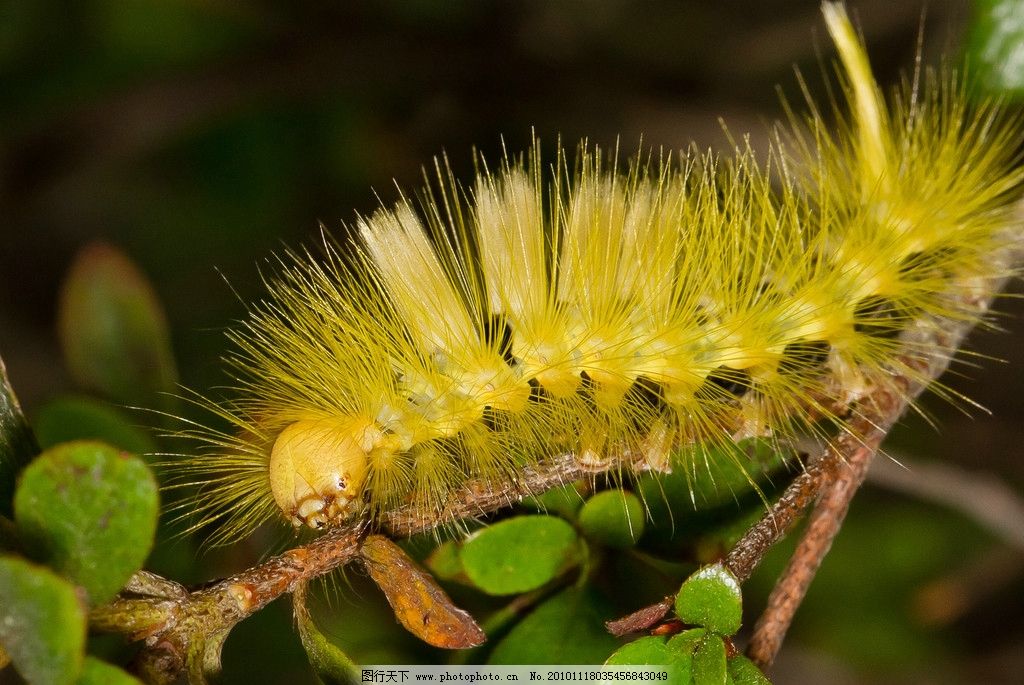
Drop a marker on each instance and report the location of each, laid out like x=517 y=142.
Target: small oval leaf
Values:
x=444 y=562
x=113 y=329
x=686 y=641
x=90 y=512
x=652 y=651
x=646 y=651
x=42 y=622
x=519 y=554
x=709 y=667
x=419 y=602
x=711 y=598
x=566 y=629
x=744 y=672
x=614 y=518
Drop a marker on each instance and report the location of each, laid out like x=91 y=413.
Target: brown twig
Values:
x=746 y=554
x=186 y=631
x=825 y=522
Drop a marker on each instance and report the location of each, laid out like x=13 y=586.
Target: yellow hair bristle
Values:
x=618 y=316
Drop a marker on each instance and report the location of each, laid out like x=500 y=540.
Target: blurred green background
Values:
x=201 y=136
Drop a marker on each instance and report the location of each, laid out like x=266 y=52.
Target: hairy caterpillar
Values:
x=617 y=316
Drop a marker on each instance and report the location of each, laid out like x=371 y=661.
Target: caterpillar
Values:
x=621 y=316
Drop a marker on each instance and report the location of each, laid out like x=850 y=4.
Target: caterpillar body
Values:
x=619 y=316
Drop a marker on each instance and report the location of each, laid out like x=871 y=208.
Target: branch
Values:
x=184 y=631
x=826 y=519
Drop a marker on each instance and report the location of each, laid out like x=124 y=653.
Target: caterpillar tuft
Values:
x=620 y=316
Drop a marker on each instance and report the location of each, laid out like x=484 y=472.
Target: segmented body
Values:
x=694 y=301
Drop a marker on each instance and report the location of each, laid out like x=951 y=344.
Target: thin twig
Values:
x=825 y=522
x=186 y=631
x=746 y=554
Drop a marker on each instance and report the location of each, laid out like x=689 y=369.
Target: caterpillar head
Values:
x=317 y=470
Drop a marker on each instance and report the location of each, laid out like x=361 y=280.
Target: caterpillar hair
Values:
x=621 y=316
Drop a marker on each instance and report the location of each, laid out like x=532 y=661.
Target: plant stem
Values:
x=825 y=521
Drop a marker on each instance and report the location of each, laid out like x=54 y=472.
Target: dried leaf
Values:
x=418 y=601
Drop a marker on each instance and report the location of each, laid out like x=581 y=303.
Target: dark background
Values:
x=201 y=136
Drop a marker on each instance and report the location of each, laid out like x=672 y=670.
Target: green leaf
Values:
x=564 y=501
x=113 y=330
x=97 y=672
x=744 y=672
x=995 y=47
x=646 y=651
x=614 y=518
x=17 y=445
x=566 y=629
x=90 y=512
x=83 y=418
x=711 y=598
x=444 y=562
x=519 y=554
x=686 y=641
x=706 y=477
x=329 y=662
x=652 y=651
x=42 y=622
x=709 y=667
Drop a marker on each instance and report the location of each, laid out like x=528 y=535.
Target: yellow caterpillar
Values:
x=617 y=316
